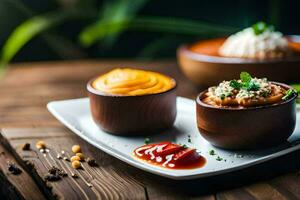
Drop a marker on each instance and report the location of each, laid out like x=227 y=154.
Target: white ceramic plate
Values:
x=75 y=114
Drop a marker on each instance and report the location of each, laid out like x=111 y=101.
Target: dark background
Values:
x=285 y=15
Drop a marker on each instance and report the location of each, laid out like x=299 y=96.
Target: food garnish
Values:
x=76 y=164
x=73 y=158
x=76 y=149
x=260 y=41
x=81 y=156
x=58 y=156
x=219 y=158
x=25 y=146
x=54 y=174
x=92 y=162
x=40 y=145
x=261 y=27
x=189 y=139
x=147 y=140
x=170 y=155
x=289 y=94
x=13 y=168
x=212 y=152
x=247 y=91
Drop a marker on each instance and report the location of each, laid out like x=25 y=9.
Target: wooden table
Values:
x=25 y=91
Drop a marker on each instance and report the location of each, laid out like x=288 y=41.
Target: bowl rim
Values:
x=199 y=102
x=184 y=49
x=92 y=90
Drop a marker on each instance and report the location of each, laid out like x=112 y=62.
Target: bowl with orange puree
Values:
x=133 y=102
x=248 y=113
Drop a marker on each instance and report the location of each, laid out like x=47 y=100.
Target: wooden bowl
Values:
x=133 y=115
x=247 y=128
x=201 y=63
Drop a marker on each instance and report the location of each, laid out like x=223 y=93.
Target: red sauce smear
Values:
x=170 y=155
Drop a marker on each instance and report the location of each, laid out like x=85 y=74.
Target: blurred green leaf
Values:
x=114 y=17
x=100 y=30
x=297 y=88
x=26 y=31
x=274 y=13
x=180 y=26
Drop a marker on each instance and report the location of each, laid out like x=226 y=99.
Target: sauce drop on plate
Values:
x=170 y=155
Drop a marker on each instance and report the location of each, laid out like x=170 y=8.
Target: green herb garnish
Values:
x=235 y=84
x=248 y=82
x=261 y=27
x=184 y=146
x=264 y=94
x=222 y=96
x=189 y=139
x=147 y=140
x=252 y=86
x=212 y=152
x=289 y=94
x=219 y=158
x=245 y=77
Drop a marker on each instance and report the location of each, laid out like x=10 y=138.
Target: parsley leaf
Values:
x=289 y=94
x=248 y=83
x=245 y=77
x=235 y=84
x=253 y=86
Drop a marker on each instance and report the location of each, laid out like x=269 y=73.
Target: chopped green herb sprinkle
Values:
x=189 y=139
x=184 y=146
x=222 y=96
x=235 y=84
x=147 y=140
x=212 y=152
x=219 y=158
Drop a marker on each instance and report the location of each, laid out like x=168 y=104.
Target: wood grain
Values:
x=27 y=88
x=107 y=183
x=19 y=186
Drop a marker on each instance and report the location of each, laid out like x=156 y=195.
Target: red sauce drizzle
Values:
x=170 y=155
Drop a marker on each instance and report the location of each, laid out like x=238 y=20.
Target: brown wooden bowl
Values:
x=247 y=128
x=201 y=63
x=133 y=115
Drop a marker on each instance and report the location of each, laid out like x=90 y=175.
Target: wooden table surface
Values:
x=25 y=90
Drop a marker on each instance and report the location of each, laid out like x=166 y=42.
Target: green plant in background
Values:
x=103 y=24
x=297 y=88
x=108 y=22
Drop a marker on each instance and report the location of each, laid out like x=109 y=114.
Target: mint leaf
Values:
x=245 y=77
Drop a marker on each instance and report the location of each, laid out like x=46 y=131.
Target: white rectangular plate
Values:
x=75 y=114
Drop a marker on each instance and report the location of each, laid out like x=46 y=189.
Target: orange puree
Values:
x=133 y=82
